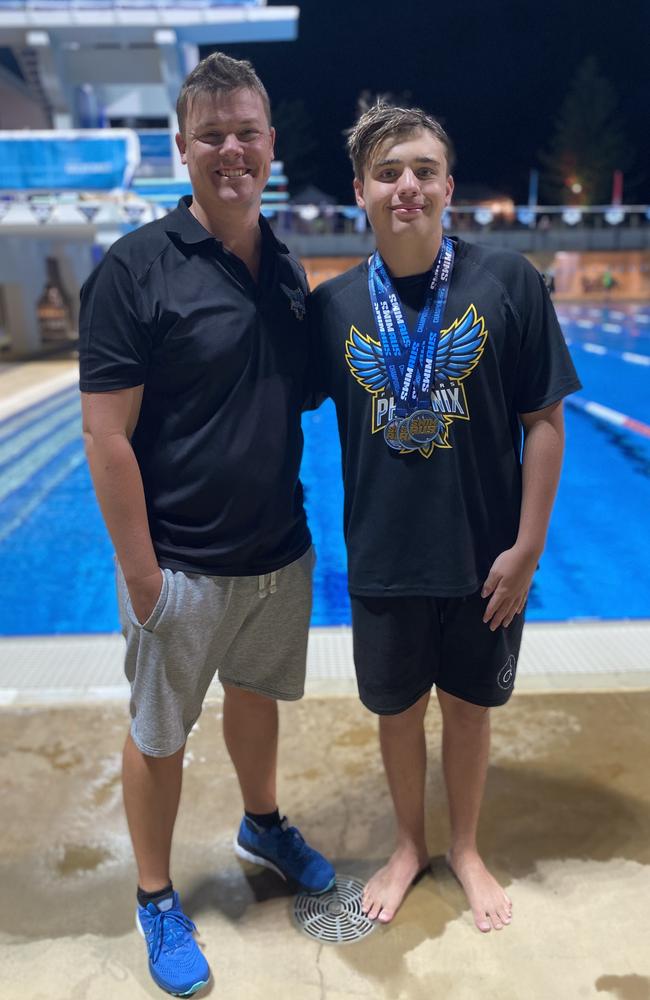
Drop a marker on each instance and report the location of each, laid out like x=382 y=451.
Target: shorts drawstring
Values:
x=267 y=584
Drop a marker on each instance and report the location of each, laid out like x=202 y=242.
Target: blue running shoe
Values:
x=176 y=962
x=283 y=849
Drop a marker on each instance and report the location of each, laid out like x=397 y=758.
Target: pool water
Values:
x=56 y=558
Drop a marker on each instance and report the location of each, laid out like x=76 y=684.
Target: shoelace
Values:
x=166 y=930
x=288 y=842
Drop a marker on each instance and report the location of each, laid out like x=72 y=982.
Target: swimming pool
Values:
x=56 y=558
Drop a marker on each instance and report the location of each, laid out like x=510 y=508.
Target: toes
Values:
x=373 y=910
x=386 y=916
x=366 y=900
x=504 y=915
x=483 y=924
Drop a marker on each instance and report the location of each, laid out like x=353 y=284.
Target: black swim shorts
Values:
x=403 y=646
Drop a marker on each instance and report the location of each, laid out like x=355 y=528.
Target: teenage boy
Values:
x=441 y=357
x=193 y=357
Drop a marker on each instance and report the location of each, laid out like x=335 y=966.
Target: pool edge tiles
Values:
x=557 y=656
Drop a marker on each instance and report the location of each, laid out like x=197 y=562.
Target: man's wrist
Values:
x=134 y=578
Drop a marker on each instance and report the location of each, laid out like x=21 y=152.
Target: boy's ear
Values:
x=358 y=193
x=450 y=189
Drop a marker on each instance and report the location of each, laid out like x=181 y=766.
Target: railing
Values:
x=313 y=219
x=151 y=198
x=52 y=5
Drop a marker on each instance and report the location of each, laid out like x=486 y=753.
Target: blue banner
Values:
x=80 y=160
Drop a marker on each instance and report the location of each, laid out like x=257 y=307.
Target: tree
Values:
x=588 y=144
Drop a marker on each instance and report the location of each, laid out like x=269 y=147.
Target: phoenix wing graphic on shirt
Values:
x=459 y=351
x=366 y=360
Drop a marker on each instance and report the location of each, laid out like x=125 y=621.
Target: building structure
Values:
x=101 y=64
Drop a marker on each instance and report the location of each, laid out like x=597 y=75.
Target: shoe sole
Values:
x=258 y=859
x=188 y=993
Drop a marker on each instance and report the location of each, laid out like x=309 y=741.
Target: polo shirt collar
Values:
x=182 y=223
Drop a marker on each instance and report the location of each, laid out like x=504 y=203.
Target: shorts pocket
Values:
x=159 y=607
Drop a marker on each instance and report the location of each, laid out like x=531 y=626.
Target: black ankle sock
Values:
x=154 y=897
x=265 y=820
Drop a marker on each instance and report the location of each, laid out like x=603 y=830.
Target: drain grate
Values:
x=336 y=916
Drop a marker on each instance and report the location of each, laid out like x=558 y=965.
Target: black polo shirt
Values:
x=224 y=363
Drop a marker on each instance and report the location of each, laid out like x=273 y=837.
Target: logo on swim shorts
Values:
x=506 y=677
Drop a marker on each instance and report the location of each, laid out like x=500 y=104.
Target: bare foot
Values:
x=384 y=893
x=490 y=905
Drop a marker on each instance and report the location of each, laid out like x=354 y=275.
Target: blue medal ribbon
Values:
x=410 y=361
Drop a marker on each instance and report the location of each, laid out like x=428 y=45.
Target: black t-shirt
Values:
x=433 y=521
x=224 y=364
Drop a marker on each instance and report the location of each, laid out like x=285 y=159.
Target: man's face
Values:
x=228 y=148
x=406 y=187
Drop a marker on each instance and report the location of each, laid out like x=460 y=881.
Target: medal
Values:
x=397 y=437
x=411 y=359
x=424 y=426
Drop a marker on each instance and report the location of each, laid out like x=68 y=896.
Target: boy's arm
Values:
x=512 y=571
x=109 y=419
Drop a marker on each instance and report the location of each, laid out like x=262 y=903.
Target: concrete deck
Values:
x=565 y=827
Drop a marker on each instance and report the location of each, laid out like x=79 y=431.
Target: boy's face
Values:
x=406 y=188
x=228 y=148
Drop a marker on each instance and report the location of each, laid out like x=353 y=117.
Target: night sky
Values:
x=494 y=71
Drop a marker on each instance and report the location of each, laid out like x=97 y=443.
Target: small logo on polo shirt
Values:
x=506 y=676
x=296 y=300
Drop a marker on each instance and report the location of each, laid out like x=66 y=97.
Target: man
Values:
x=193 y=365
x=438 y=354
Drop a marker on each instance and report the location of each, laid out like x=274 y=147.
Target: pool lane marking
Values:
x=636 y=359
x=17 y=444
x=37 y=411
x=37 y=499
x=25 y=468
x=629 y=356
x=609 y=416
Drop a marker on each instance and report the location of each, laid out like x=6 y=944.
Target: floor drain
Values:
x=335 y=916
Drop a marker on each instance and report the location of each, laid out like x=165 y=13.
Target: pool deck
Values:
x=23 y=383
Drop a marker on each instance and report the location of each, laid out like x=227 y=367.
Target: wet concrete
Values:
x=566 y=826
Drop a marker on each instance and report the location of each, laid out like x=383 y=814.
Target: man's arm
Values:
x=109 y=419
x=512 y=571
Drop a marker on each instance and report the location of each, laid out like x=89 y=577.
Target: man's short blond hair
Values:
x=219 y=74
x=383 y=121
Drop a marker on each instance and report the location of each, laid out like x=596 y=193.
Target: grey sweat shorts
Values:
x=250 y=630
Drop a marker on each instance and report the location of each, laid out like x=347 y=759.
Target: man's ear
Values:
x=181 y=146
x=272 y=134
x=358 y=192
